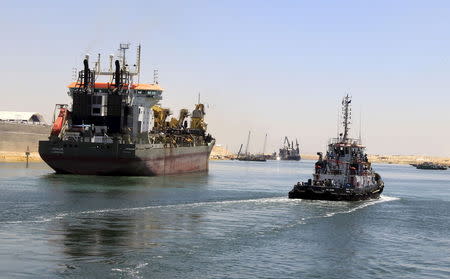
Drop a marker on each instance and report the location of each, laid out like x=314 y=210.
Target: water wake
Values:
x=363 y=205
x=261 y=201
x=131 y=271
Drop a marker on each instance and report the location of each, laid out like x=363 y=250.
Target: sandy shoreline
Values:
x=396 y=159
x=11 y=157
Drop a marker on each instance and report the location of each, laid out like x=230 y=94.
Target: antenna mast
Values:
x=155 y=77
x=346 y=111
x=338 y=123
x=360 y=125
x=138 y=62
x=123 y=48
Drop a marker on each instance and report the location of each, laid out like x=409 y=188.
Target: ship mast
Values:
x=248 y=141
x=123 y=48
x=346 y=113
x=264 y=146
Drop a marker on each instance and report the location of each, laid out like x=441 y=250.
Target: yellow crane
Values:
x=160 y=115
x=197 y=118
x=178 y=123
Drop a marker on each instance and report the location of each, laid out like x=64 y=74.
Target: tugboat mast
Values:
x=346 y=111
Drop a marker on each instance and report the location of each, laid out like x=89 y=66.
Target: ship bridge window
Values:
x=148 y=92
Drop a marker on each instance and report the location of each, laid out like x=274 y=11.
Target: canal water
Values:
x=234 y=222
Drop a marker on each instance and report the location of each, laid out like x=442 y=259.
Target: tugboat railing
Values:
x=348 y=141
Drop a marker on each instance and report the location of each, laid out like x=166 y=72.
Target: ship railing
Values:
x=348 y=141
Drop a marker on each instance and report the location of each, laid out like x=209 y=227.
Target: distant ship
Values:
x=251 y=157
x=344 y=174
x=108 y=131
x=429 y=166
x=288 y=152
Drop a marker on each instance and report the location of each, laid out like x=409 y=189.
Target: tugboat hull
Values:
x=334 y=194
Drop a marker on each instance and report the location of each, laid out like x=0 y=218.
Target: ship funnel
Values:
x=87 y=72
x=117 y=74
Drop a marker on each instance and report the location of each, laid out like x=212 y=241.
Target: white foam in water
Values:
x=44 y=219
x=196 y=204
x=365 y=204
x=212 y=203
x=133 y=272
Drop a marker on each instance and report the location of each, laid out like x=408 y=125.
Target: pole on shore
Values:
x=27 y=153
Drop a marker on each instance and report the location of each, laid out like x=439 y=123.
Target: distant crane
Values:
x=264 y=146
x=288 y=152
x=248 y=142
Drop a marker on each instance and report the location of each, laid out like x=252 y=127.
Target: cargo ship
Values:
x=117 y=127
x=345 y=174
x=288 y=152
x=429 y=166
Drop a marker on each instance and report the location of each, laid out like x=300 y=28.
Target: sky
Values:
x=272 y=67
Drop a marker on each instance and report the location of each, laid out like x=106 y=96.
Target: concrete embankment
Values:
x=15 y=138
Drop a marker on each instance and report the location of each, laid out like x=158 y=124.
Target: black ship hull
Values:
x=291 y=158
x=309 y=192
x=431 y=168
x=86 y=158
x=253 y=159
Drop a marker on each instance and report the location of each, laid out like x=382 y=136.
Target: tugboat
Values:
x=429 y=166
x=109 y=128
x=345 y=174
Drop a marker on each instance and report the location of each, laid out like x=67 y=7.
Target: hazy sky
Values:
x=276 y=67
